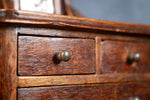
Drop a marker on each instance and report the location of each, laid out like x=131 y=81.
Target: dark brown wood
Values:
x=68 y=7
x=11 y=4
x=98 y=55
x=80 y=34
x=139 y=91
x=8 y=63
x=47 y=20
x=1 y=5
x=30 y=81
x=37 y=56
x=114 y=57
x=59 y=7
x=87 y=92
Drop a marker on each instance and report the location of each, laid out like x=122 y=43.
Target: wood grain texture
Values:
x=114 y=57
x=87 y=92
x=37 y=56
x=140 y=91
x=49 y=33
x=76 y=33
x=136 y=91
x=47 y=20
x=29 y=81
x=8 y=63
x=98 y=55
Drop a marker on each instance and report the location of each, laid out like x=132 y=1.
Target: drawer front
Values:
x=115 y=54
x=87 y=92
x=37 y=56
x=138 y=91
x=95 y=92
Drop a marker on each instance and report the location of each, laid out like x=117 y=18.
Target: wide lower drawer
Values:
x=37 y=56
x=132 y=91
x=117 y=58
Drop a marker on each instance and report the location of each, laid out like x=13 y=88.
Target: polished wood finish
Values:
x=76 y=33
x=98 y=66
x=98 y=55
x=30 y=81
x=11 y=4
x=37 y=56
x=115 y=53
x=48 y=20
x=137 y=91
x=59 y=7
x=87 y=92
x=8 y=63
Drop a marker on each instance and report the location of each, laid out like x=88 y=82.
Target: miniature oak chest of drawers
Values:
x=53 y=57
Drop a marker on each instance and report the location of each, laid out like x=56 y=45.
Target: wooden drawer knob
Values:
x=134 y=98
x=64 y=56
x=134 y=57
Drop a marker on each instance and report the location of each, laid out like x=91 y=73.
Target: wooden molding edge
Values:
x=38 y=18
x=30 y=81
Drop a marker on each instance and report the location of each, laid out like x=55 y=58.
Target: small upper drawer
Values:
x=38 y=56
x=116 y=57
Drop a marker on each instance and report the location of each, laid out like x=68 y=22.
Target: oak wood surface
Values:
x=98 y=55
x=8 y=63
x=93 y=92
x=47 y=20
x=30 y=81
x=83 y=36
x=37 y=56
x=139 y=91
x=76 y=33
x=87 y=92
x=114 y=57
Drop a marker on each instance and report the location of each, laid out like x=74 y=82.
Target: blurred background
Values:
x=133 y=11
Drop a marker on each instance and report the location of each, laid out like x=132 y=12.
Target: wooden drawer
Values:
x=37 y=56
x=130 y=91
x=137 y=91
x=115 y=54
x=85 y=92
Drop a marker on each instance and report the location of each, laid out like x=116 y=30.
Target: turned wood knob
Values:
x=134 y=57
x=64 y=56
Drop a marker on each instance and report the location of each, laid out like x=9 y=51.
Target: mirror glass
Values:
x=37 y=5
